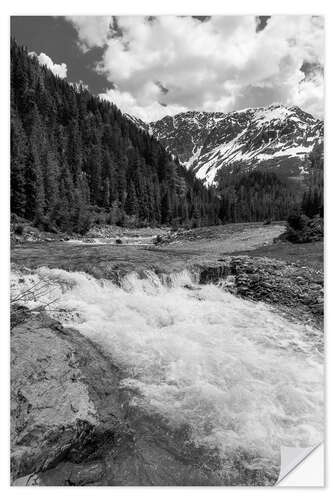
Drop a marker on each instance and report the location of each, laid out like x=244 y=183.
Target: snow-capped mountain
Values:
x=138 y=122
x=276 y=137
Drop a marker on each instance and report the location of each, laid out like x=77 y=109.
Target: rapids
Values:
x=243 y=379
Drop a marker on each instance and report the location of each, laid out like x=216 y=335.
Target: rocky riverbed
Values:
x=295 y=289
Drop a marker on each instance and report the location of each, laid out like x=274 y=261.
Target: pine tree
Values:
x=18 y=159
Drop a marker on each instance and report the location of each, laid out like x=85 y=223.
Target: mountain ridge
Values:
x=276 y=137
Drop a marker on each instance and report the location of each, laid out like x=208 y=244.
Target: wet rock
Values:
x=213 y=273
x=62 y=403
x=297 y=289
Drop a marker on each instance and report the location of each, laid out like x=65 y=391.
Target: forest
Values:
x=313 y=197
x=76 y=160
x=255 y=195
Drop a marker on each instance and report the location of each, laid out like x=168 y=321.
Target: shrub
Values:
x=297 y=221
x=301 y=229
x=19 y=229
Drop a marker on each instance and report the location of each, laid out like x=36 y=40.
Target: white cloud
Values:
x=57 y=69
x=150 y=112
x=92 y=30
x=221 y=64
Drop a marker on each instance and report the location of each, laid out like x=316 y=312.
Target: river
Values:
x=243 y=379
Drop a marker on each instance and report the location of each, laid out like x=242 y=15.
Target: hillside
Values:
x=276 y=138
x=77 y=160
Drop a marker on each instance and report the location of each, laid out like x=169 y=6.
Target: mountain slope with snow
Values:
x=276 y=137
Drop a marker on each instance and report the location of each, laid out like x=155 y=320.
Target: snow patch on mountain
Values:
x=277 y=137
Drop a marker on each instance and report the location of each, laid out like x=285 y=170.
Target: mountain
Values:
x=77 y=160
x=276 y=137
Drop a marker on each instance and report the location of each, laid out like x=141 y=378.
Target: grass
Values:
x=304 y=254
x=210 y=243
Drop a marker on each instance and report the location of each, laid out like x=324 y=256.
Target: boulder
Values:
x=64 y=397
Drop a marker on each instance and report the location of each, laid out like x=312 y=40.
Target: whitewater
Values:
x=240 y=376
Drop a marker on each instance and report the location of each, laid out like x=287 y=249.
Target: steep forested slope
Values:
x=74 y=156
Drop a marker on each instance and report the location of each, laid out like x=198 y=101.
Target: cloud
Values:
x=57 y=69
x=160 y=65
x=93 y=31
x=150 y=112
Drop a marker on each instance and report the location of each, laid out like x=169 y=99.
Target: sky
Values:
x=156 y=66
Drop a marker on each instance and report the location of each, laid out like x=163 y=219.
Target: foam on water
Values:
x=239 y=375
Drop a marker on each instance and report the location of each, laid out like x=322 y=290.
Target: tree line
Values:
x=313 y=198
x=306 y=220
x=254 y=195
x=76 y=160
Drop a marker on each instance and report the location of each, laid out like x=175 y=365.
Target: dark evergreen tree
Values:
x=18 y=151
x=131 y=204
x=313 y=199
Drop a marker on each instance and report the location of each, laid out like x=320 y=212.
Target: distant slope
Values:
x=276 y=137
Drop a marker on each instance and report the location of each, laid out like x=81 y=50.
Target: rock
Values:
x=61 y=399
x=65 y=473
x=29 y=480
x=290 y=286
x=213 y=273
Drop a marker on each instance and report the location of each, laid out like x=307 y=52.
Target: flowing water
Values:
x=123 y=240
x=242 y=378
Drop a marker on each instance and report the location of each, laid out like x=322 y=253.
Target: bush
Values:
x=43 y=223
x=19 y=229
x=297 y=221
x=301 y=229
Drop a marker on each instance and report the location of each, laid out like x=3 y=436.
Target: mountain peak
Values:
x=275 y=136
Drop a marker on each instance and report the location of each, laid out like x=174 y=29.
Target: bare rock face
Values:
x=64 y=400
